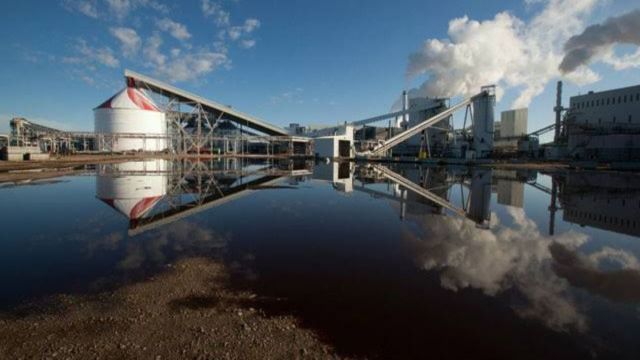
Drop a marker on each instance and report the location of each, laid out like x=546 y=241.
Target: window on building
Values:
x=608 y=101
x=625 y=98
x=629 y=118
x=613 y=101
x=637 y=97
x=600 y=121
x=614 y=119
x=619 y=99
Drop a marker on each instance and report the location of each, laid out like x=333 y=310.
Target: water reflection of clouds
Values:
x=495 y=261
x=584 y=271
x=179 y=239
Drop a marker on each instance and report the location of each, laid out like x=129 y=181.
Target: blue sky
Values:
x=318 y=62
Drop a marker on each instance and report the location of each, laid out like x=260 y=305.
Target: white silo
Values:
x=137 y=120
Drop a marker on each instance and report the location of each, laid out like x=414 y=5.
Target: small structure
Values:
x=133 y=115
x=337 y=146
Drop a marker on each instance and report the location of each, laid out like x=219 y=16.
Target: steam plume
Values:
x=505 y=50
x=598 y=40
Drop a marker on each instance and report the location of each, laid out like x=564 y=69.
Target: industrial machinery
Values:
x=475 y=142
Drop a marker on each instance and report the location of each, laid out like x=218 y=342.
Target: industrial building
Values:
x=604 y=126
x=432 y=140
x=151 y=116
x=510 y=130
x=422 y=129
x=339 y=145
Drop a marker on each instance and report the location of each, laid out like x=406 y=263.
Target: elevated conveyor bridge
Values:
x=222 y=111
x=417 y=129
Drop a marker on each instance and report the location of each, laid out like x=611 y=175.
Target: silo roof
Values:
x=129 y=98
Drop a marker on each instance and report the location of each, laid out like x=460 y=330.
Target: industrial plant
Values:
x=149 y=116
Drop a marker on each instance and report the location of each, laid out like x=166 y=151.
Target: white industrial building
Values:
x=337 y=146
x=605 y=125
x=139 y=123
x=339 y=174
x=511 y=128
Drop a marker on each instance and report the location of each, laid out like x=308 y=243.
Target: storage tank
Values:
x=132 y=188
x=483 y=117
x=131 y=113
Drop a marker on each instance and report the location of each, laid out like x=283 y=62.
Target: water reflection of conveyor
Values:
x=141 y=225
x=157 y=192
x=476 y=207
x=408 y=184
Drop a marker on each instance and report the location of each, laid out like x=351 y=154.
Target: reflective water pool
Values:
x=397 y=261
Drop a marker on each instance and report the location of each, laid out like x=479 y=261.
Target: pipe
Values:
x=405 y=107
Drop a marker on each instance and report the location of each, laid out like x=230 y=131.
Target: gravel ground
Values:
x=185 y=312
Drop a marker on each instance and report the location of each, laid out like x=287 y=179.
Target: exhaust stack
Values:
x=558 y=109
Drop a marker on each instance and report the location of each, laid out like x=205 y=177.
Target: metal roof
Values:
x=185 y=96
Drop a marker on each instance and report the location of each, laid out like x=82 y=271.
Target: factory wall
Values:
x=612 y=108
x=605 y=125
x=514 y=122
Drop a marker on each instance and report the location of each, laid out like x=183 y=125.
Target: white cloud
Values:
x=236 y=32
x=250 y=25
x=129 y=40
x=627 y=61
x=91 y=56
x=505 y=51
x=151 y=51
x=215 y=10
x=86 y=7
x=248 y=43
x=292 y=96
x=176 y=29
x=222 y=19
x=187 y=66
x=122 y=8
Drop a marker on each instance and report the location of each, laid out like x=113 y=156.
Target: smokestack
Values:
x=558 y=110
x=405 y=107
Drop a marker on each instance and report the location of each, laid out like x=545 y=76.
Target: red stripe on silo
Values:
x=143 y=206
x=140 y=101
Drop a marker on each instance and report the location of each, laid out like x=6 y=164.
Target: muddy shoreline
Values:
x=185 y=312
